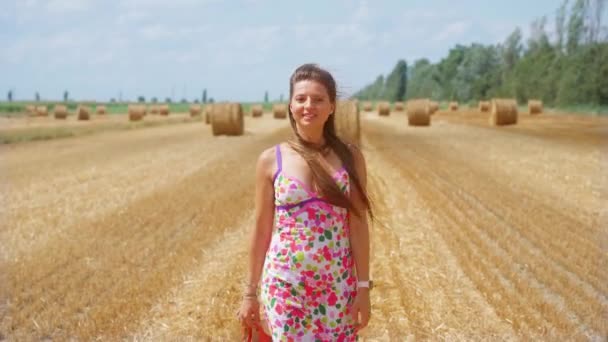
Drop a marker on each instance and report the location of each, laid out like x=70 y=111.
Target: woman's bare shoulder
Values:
x=267 y=160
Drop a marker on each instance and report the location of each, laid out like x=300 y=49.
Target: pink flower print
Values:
x=332 y=300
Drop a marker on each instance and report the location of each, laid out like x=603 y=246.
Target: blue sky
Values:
x=99 y=49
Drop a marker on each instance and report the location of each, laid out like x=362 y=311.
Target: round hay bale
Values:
x=83 y=112
x=367 y=106
x=504 y=112
x=195 y=110
x=453 y=106
x=136 y=112
x=279 y=111
x=399 y=106
x=227 y=119
x=419 y=112
x=101 y=110
x=208 y=113
x=42 y=111
x=257 y=111
x=164 y=110
x=60 y=112
x=30 y=110
x=347 y=122
x=384 y=108
x=433 y=107
x=154 y=109
x=535 y=107
x=484 y=106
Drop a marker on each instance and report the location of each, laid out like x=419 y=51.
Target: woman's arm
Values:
x=264 y=215
x=359 y=231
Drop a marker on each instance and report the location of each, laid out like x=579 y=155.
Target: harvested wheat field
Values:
x=143 y=235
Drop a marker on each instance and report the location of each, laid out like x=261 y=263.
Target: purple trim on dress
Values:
x=292 y=205
x=279 y=163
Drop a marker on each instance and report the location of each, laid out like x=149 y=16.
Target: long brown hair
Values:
x=311 y=153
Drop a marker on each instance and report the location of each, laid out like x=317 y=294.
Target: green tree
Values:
x=9 y=96
x=396 y=82
x=266 y=97
x=141 y=99
x=66 y=96
x=37 y=97
x=205 y=96
x=576 y=26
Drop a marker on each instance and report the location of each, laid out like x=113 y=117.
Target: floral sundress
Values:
x=308 y=283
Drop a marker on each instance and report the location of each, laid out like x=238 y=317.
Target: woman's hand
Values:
x=361 y=309
x=249 y=312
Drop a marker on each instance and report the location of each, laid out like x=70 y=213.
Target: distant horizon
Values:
x=235 y=50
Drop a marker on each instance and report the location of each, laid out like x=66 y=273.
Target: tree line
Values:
x=568 y=66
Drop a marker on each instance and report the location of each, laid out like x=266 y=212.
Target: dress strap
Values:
x=279 y=162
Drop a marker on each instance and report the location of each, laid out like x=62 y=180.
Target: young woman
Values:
x=314 y=264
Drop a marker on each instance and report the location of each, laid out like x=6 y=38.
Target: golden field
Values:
x=483 y=233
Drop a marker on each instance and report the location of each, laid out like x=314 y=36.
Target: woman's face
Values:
x=310 y=104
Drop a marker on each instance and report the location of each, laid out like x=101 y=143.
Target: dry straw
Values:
x=433 y=107
x=453 y=106
x=419 y=112
x=227 y=119
x=504 y=112
x=164 y=110
x=101 y=110
x=367 y=106
x=83 y=112
x=195 y=110
x=42 y=111
x=279 y=111
x=60 y=112
x=208 y=113
x=399 y=106
x=535 y=107
x=154 y=109
x=384 y=108
x=136 y=112
x=483 y=106
x=30 y=110
x=257 y=111
x=347 y=122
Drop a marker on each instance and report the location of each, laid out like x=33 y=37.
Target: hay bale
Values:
x=419 y=112
x=60 y=112
x=484 y=106
x=208 y=113
x=399 y=106
x=154 y=109
x=164 y=110
x=30 y=110
x=257 y=111
x=504 y=112
x=433 y=107
x=453 y=106
x=279 y=111
x=136 y=112
x=384 y=108
x=42 y=111
x=347 y=122
x=227 y=119
x=101 y=110
x=195 y=110
x=367 y=106
x=83 y=112
x=535 y=107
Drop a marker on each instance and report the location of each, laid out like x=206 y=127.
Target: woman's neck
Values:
x=315 y=138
